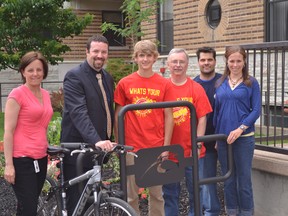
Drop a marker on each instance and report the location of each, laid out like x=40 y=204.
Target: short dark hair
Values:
x=206 y=50
x=30 y=57
x=96 y=38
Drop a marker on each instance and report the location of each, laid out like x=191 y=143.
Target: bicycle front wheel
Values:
x=51 y=206
x=112 y=206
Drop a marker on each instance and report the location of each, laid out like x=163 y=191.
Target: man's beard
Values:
x=99 y=64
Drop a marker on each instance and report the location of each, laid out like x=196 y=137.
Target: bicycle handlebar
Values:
x=85 y=147
x=75 y=145
x=79 y=147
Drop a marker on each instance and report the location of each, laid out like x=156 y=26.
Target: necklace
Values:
x=234 y=83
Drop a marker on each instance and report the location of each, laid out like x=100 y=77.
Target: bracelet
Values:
x=243 y=128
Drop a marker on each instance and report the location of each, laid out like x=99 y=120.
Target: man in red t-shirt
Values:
x=145 y=128
x=185 y=89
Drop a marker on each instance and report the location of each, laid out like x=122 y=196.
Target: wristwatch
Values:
x=242 y=127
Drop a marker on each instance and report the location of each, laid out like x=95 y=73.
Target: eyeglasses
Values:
x=179 y=62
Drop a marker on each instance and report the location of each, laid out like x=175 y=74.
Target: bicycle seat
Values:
x=55 y=150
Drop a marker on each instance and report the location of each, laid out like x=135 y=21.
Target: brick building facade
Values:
x=96 y=8
x=241 y=22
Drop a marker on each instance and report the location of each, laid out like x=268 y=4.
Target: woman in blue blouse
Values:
x=237 y=107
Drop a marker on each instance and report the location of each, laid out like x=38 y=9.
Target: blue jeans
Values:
x=238 y=190
x=211 y=204
x=171 y=192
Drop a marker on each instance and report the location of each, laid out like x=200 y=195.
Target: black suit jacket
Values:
x=84 y=115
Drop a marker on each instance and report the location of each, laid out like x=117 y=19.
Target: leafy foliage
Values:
x=57 y=100
x=111 y=170
x=52 y=170
x=27 y=25
x=118 y=68
x=134 y=16
x=2 y=162
x=54 y=131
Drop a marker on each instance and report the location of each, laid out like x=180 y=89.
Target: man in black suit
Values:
x=84 y=115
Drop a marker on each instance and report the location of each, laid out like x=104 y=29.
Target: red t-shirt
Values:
x=143 y=128
x=30 y=136
x=193 y=92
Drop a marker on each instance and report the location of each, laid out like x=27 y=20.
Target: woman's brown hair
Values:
x=30 y=57
x=229 y=51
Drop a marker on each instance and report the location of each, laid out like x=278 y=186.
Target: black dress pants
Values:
x=28 y=184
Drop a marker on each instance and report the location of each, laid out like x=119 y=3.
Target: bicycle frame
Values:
x=94 y=178
x=92 y=187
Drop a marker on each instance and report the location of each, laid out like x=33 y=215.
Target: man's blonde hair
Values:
x=146 y=47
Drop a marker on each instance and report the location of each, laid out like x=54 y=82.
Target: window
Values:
x=276 y=20
x=116 y=18
x=213 y=13
x=165 y=27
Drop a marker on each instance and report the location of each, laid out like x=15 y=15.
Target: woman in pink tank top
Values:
x=28 y=112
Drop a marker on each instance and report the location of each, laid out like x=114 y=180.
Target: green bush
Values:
x=54 y=131
x=2 y=162
x=57 y=100
x=120 y=68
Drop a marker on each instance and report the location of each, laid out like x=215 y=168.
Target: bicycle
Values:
x=105 y=200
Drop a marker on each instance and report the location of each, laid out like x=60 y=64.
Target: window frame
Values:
x=270 y=32
x=122 y=41
x=213 y=23
x=162 y=24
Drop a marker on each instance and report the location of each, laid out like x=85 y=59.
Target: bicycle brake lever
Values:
x=75 y=152
x=81 y=151
x=133 y=154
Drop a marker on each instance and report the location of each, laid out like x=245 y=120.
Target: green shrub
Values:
x=56 y=115
x=54 y=131
x=111 y=170
x=120 y=68
x=57 y=100
x=2 y=162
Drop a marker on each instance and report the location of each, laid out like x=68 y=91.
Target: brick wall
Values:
x=78 y=43
x=242 y=22
x=149 y=29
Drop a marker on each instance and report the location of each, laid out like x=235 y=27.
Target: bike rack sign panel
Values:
x=151 y=169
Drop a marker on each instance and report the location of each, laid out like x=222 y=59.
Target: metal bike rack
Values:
x=194 y=140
